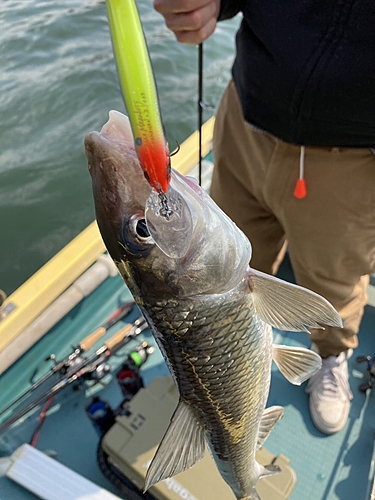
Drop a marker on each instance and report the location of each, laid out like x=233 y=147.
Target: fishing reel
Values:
x=101 y=415
x=370 y=371
x=64 y=366
x=128 y=376
x=99 y=411
x=99 y=372
x=140 y=355
x=93 y=372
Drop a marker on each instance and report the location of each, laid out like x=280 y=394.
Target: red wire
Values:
x=119 y=311
x=41 y=419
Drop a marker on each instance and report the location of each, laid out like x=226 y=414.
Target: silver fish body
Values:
x=219 y=352
x=209 y=313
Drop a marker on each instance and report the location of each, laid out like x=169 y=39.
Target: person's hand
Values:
x=192 y=21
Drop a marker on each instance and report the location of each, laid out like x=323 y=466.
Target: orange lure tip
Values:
x=155 y=162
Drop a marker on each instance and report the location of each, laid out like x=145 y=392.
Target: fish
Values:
x=210 y=313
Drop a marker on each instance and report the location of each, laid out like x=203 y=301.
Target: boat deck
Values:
x=337 y=467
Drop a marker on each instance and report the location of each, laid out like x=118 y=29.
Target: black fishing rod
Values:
x=85 y=344
x=128 y=385
x=66 y=365
x=84 y=367
x=200 y=108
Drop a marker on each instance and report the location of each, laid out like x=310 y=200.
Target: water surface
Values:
x=58 y=81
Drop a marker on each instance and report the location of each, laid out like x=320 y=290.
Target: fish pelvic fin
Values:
x=182 y=446
x=268 y=470
x=253 y=496
x=297 y=364
x=269 y=418
x=290 y=307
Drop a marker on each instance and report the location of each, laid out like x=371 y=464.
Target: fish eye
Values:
x=141 y=229
x=135 y=236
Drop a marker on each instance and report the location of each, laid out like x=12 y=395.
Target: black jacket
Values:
x=305 y=69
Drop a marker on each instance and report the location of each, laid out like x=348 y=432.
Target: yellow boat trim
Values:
x=39 y=291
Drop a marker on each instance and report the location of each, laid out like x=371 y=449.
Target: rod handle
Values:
x=91 y=339
x=119 y=336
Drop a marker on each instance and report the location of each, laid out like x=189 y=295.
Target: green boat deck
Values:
x=337 y=467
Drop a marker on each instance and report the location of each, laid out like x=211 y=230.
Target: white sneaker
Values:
x=330 y=393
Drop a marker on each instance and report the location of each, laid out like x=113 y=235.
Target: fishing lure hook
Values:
x=176 y=150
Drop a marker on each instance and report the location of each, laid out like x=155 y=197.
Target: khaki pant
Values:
x=330 y=233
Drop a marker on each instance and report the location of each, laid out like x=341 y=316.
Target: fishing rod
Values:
x=129 y=380
x=66 y=364
x=200 y=108
x=85 y=368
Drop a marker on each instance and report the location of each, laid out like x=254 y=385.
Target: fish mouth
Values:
x=113 y=164
x=118 y=129
x=119 y=187
x=114 y=139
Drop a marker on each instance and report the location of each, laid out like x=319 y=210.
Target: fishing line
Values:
x=178 y=147
x=200 y=108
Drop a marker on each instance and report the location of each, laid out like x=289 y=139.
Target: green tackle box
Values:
x=132 y=442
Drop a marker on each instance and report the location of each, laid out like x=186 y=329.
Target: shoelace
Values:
x=332 y=377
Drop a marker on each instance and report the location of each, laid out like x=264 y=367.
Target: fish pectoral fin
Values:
x=267 y=422
x=290 y=307
x=297 y=364
x=182 y=446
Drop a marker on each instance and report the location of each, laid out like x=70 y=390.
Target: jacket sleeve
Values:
x=229 y=8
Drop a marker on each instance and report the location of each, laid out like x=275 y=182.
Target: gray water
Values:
x=57 y=82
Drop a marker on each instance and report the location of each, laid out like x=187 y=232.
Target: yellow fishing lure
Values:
x=139 y=91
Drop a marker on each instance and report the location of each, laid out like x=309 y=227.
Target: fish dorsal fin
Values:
x=290 y=307
x=182 y=446
x=267 y=422
x=297 y=364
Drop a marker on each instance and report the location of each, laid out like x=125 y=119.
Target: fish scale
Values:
x=214 y=353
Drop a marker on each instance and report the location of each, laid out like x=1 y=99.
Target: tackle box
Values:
x=132 y=442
